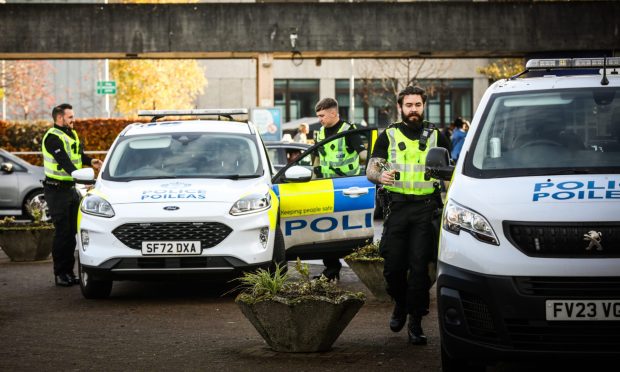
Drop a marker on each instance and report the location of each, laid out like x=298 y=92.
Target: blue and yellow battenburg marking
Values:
x=323 y=196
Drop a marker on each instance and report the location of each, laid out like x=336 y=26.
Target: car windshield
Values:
x=184 y=155
x=548 y=132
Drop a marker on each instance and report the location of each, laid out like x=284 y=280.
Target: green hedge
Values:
x=96 y=134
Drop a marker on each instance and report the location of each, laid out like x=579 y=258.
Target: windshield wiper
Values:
x=238 y=176
x=573 y=171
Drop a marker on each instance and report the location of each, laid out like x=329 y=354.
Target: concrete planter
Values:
x=371 y=274
x=306 y=325
x=25 y=243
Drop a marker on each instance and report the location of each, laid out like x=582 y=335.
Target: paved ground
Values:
x=169 y=326
x=155 y=326
x=175 y=326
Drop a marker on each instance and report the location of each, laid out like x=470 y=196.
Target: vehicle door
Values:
x=320 y=215
x=9 y=184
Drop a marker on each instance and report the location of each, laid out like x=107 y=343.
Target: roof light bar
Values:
x=568 y=63
x=222 y=112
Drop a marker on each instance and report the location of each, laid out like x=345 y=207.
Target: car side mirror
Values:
x=6 y=167
x=438 y=164
x=297 y=174
x=85 y=176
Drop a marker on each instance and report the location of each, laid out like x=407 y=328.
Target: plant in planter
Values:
x=296 y=315
x=27 y=241
x=367 y=263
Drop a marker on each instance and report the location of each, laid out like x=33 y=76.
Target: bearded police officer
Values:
x=338 y=158
x=408 y=242
x=62 y=154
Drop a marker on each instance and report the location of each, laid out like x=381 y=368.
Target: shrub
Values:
x=263 y=285
x=368 y=252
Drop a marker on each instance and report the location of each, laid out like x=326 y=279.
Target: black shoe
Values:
x=398 y=319
x=74 y=278
x=63 y=280
x=415 y=332
x=330 y=276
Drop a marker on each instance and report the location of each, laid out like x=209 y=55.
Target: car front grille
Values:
x=569 y=287
x=478 y=316
x=564 y=336
x=209 y=234
x=564 y=239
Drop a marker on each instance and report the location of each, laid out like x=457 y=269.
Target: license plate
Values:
x=583 y=310
x=171 y=247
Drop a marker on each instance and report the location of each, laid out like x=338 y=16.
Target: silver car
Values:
x=20 y=186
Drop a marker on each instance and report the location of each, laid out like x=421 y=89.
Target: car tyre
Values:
x=93 y=289
x=449 y=364
x=35 y=199
x=279 y=252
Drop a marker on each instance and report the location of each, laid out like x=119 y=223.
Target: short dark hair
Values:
x=412 y=90
x=60 y=110
x=326 y=103
x=458 y=122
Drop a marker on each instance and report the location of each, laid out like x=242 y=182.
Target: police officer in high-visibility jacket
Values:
x=408 y=242
x=62 y=154
x=338 y=158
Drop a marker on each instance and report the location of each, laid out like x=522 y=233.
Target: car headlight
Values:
x=457 y=218
x=97 y=206
x=251 y=204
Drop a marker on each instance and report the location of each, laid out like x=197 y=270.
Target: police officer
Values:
x=338 y=158
x=62 y=154
x=408 y=243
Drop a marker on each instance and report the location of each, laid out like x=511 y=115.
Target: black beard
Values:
x=414 y=121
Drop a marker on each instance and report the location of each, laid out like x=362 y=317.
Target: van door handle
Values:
x=355 y=191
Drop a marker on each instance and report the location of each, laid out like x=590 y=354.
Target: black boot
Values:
x=398 y=319
x=415 y=332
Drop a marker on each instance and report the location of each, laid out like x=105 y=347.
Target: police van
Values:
x=529 y=253
x=200 y=197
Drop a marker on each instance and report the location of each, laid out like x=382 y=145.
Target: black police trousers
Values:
x=408 y=245
x=63 y=203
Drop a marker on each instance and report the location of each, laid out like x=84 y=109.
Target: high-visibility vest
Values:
x=405 y=156
x=72 y=148
x=335 y=159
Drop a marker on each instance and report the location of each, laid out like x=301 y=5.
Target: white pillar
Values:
x=4 y=92
x=352 y=93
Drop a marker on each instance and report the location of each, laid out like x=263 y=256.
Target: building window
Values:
x=448 y=99
x=374 y=100
x=296 y=97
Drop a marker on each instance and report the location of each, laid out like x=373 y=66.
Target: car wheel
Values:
x=93 y=289
x=449 y=364
x=279 y=252
x=36 y=201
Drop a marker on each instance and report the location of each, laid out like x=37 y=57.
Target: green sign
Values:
x=106 y=87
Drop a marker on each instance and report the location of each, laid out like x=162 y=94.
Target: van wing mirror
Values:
x=438 y=164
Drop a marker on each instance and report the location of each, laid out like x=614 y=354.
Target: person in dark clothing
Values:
x=62 y=154
x=408 y=243
x=338 y=158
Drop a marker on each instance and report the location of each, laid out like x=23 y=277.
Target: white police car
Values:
x=529 y=255
x=196 y=197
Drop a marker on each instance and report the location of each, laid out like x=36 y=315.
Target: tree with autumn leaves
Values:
x=502 y=68
x=156 y=84
x=26 y=87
